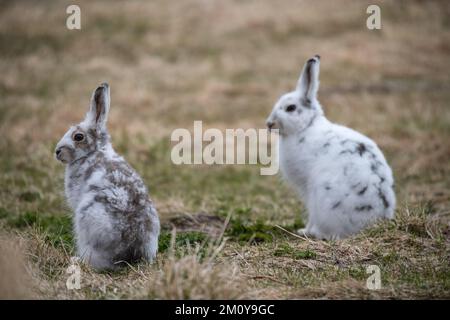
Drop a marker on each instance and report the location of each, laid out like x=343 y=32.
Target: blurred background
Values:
x=225 y=63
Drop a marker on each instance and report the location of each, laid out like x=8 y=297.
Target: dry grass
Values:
x=196 y=275
x=226 y=63
x=15 y=277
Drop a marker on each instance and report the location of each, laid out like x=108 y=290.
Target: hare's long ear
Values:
x=99 y=109
x=308 y=84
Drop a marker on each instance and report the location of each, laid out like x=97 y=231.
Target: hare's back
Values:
x=353 y=175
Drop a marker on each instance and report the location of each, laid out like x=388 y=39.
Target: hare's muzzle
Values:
x=59 y=154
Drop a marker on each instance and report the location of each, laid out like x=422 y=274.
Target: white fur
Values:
x=341 y=175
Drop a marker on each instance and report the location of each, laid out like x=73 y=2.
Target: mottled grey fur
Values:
x=115 y=221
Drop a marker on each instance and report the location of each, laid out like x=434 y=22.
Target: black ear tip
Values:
x=315 y=59
x=104 y=87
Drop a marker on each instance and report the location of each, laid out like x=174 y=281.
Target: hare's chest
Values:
x=294 y=161
x=72 y=186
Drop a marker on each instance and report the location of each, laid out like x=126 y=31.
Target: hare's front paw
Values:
x=313 y=232
x=308 y=232
x=303 y=232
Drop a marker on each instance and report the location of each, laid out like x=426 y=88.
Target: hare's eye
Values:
x=291 y=107
x=78 y=137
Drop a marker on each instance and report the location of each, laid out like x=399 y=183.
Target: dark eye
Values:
x=78 y=137
x=291 y=107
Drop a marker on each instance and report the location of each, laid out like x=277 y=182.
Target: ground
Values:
x=226 y=63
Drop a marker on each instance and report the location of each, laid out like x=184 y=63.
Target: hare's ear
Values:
x=99 y=109
x=308 y=84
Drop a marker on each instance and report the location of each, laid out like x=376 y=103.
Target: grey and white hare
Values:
x=114 y=219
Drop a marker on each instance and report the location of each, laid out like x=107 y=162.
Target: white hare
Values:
x=340 y=175
x=114 y=221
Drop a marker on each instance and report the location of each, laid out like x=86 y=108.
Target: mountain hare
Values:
x=341 y=175
x=114 y=221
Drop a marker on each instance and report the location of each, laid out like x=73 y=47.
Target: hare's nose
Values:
x=58 y=151
x=270 y=124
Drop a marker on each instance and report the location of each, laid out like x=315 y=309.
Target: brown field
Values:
x=225 y=62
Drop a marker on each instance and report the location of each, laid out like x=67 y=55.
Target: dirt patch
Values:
x=202 y=222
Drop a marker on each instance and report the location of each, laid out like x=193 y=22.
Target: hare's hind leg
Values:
x=151 y=248
x=97 y=260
